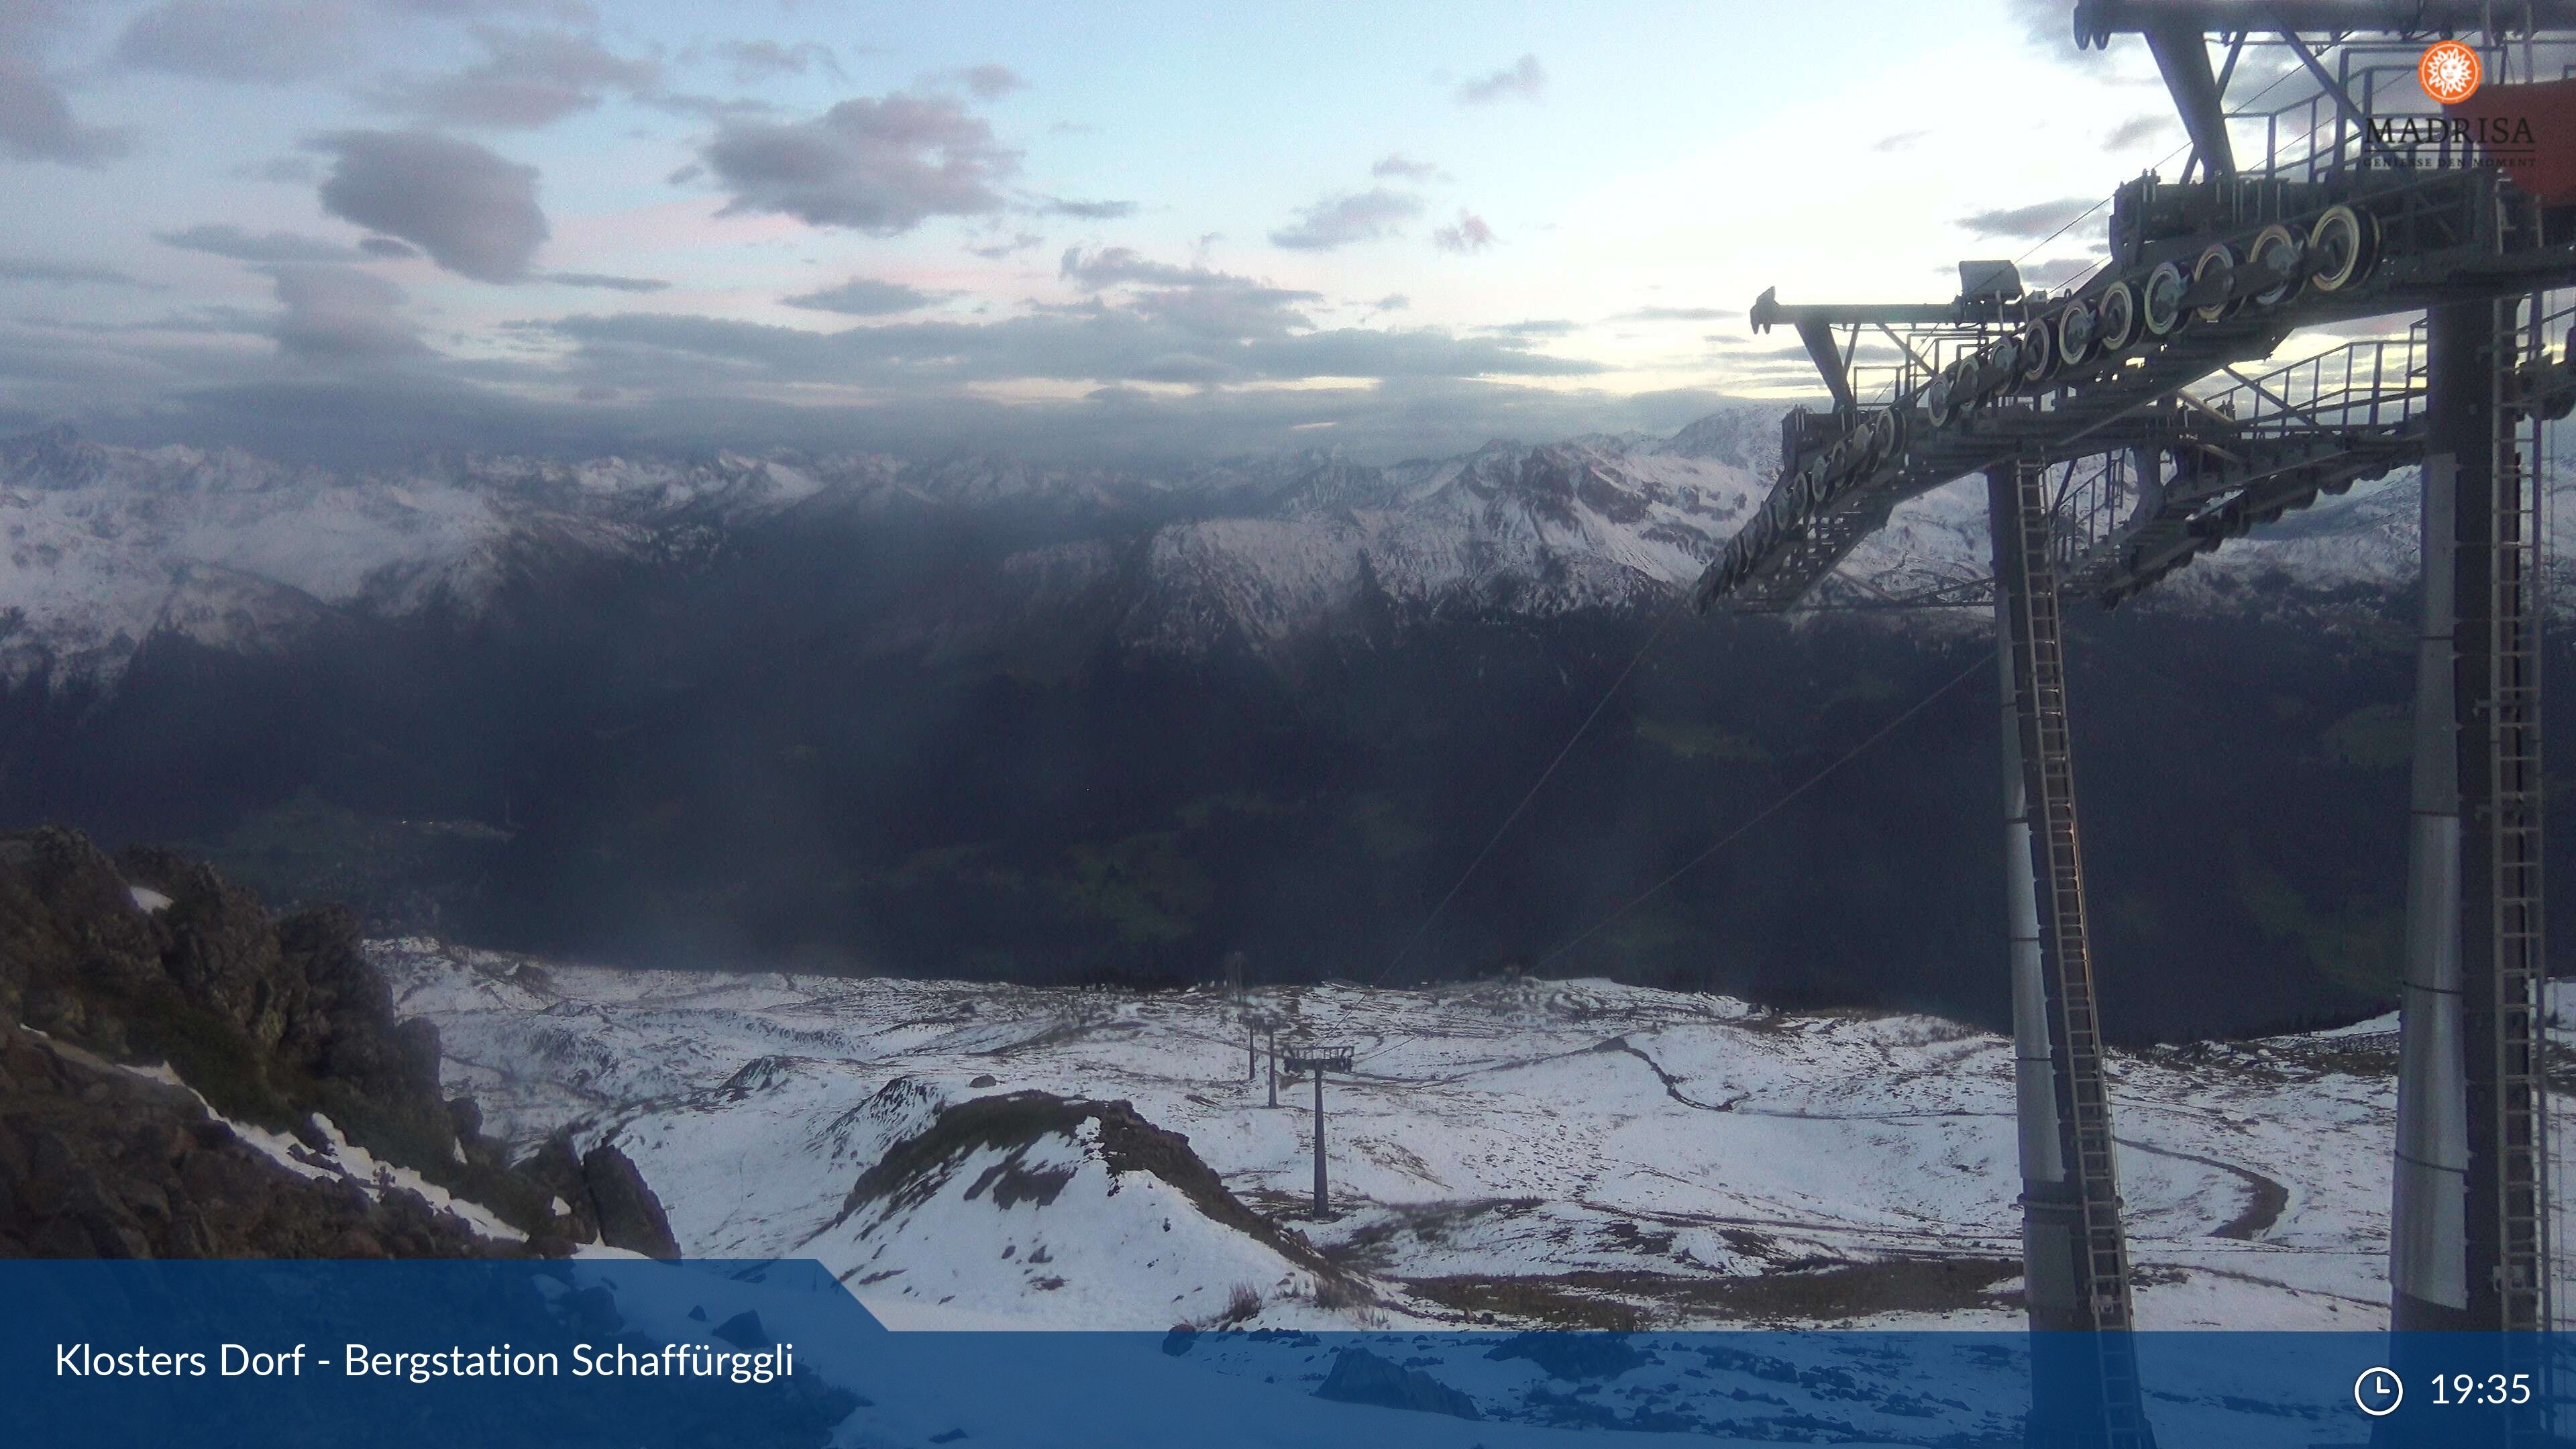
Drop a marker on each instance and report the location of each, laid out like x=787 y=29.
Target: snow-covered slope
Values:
x=100 y=547
x=1544 y=1152
x=1595 y=523
x=105 y=545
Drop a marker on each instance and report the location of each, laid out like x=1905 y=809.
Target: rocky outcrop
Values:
x=630 y=1216
x=97 y=1162
x=911 y=1170
x=152 y=959
x=1361 y=1377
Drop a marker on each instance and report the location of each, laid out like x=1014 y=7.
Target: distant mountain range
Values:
x=971 y=717
x=107 y=546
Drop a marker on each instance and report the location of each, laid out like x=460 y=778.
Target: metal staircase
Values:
x=2084 y=1111
x=2510 y=712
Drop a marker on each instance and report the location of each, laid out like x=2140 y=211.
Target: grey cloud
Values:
x=225 y=240
x=757 y=60
x=385 y=246
x=241 y=41
x=1227 y=313
x=527 y=78
x=1397 y=164
x=1677 y=314
x=1011 y=246
x=1204 y=302
x=341 y=314
x=2059 y=271
x=1469 y=234
x=2135 y=129
x=881 y=166
x=603 y=281
x=1522 y=80
x=474 y=213
x=1900 y=141
x=2037 y=220
x=1540 y=327
x=863 y=297
x=1340 y=220
x=65 y=274
x=992 y=82
x=2048 y=24
x=36 y=120
x=1089 y=210
x=1112 y=266
x=369 y=419
x=720 y=109
x=1107 y=345
x=285 y=169
x=1391 y=302
x=2386 y=325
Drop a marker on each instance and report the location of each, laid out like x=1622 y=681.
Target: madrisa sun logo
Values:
x=2450 y=72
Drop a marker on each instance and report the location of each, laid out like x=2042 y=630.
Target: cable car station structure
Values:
x=2120 y=438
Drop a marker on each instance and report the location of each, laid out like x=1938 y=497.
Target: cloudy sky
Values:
x=360 y=226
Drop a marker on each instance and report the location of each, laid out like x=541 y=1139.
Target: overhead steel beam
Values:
x=2096 y=21
x=2352 y=114
x=2183 y=58
x=1828 y=357
x=1769 y=312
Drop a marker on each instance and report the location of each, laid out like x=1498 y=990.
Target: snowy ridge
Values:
x=106 y=545
x=1612 y=1154
x=327 y=1156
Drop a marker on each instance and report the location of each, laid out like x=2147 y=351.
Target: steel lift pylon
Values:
x=2084 y=1368
x=2120 y=441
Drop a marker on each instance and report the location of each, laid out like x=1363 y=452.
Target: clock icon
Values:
x=2378 y=1391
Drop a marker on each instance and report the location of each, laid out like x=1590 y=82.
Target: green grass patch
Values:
x=1385 y=831
x=2359 y=948
x=1197 y=814
x=1144 y=887
x=1694 y=741
x=2374 y=737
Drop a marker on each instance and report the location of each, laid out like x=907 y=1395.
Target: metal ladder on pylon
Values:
x=2084 y=1108
x=2511 y=713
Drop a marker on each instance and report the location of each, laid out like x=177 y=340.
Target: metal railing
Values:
x=2375 y=384
x=2311 y=137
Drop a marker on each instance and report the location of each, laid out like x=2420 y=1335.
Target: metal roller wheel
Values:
x=1937 y=400
x=2218 y=262
x=2002 y=360
x=1822 y=474
x=2277 y=248
x=2341 y=248
x=1883 y=437
x=2077 y=328
x=2115 y=318
x=2038 y=351
x=2160 y=301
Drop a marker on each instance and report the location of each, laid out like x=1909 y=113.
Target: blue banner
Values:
x=630 y=1353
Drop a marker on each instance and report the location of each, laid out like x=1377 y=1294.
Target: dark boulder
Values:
x=1573 y=1356
x=1361 y=1377
x=630 y=1216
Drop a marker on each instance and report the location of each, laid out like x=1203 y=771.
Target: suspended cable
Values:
x=1672 y=612
x=1774 y=808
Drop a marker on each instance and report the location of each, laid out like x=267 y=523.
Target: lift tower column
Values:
x=1319 y=1060
x=2084 y=1380
x=2468 y=1240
